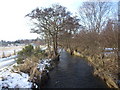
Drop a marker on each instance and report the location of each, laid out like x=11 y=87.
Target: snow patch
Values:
x=9 y=79
x=109 y=48
x=108 y=53
x=43 y=63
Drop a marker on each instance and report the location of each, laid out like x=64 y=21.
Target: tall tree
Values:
x=93 y=15
x=53 y=21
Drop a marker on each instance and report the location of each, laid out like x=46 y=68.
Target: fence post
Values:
x=14 y=52
x=3 y=55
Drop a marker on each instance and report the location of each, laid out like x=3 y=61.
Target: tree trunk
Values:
x=56 y=43
x=54 y=47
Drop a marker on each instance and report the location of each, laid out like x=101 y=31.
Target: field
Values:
x=9 y=50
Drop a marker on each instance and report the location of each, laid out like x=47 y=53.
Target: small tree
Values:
x=26 y=52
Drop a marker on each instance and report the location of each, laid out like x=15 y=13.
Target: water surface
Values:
x=73 y=72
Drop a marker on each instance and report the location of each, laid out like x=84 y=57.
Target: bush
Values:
x=20 y=61
x=29 y=51
x=24 y=53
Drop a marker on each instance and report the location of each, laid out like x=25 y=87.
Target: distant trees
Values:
x=52 y=22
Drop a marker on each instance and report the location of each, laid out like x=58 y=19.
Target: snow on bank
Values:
x=9 y=79
x=110 y=49
x=43 y=63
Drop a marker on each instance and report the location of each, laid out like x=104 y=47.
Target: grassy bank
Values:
x=105 y=68
x=36 y=63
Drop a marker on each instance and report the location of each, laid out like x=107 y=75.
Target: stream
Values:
x=73 y=72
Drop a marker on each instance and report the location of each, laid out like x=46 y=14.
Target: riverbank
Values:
x=110 y=79
x=9 y=78
x=45 y=73
x=73 y=72
x=12 y=76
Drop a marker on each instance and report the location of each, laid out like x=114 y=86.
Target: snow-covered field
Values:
x=9 y=79
x=10 y=50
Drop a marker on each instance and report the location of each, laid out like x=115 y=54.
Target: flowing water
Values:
x=73 y=72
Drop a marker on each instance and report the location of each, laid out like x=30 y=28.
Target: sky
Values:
x=14 y=25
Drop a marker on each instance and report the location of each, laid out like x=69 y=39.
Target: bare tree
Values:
x=93 y=15
x=110 y=34
x=52 y=21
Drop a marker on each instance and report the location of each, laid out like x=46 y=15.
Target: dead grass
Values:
x=30 y=66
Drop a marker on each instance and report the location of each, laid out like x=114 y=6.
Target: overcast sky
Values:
x=13 y=25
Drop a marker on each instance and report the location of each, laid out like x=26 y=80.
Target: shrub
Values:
x=30 y=52
x=27 y=51
x=24 y=53
x=20 y=61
